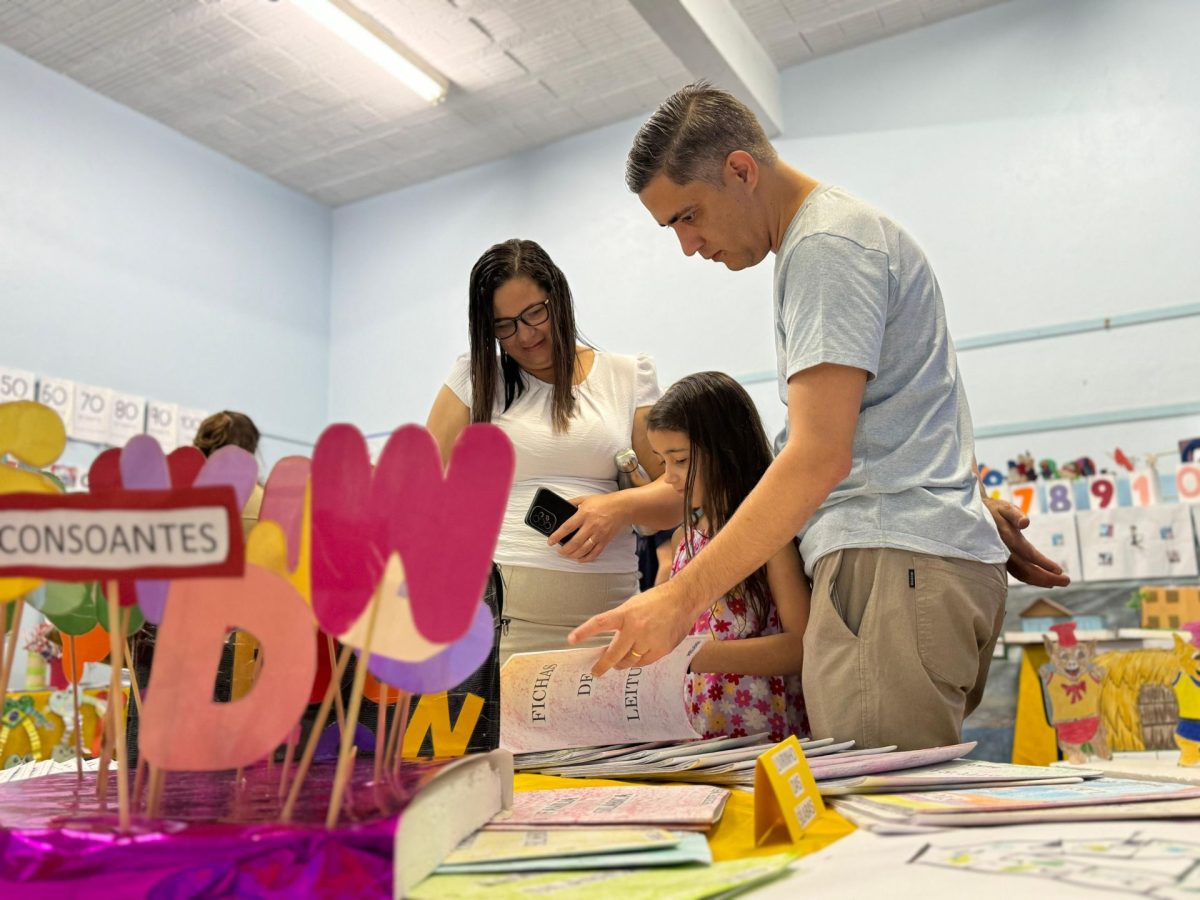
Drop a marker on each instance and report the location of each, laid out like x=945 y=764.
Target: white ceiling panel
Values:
x=258 y=81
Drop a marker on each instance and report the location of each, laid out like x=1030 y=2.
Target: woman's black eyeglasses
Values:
x=530 y=315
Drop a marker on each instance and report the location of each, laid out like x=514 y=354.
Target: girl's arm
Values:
x=773 y=654
x=666 y=555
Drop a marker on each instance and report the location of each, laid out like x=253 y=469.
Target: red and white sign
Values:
x=193 y=533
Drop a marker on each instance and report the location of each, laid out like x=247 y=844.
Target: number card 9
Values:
x=1102 y=492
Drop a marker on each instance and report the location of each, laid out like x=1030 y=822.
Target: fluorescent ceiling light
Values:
x=378 y=44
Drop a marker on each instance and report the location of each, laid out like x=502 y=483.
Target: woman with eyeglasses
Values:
x=567 y=408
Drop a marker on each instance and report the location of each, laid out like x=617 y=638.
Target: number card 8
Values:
x=1060 y=496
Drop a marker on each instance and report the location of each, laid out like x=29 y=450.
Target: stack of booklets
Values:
x=1087 y=799
x=633 y=840
x=718 y=761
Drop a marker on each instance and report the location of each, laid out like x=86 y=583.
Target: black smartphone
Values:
x=548 y=511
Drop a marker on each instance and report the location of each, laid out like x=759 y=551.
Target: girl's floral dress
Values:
x=736 y=705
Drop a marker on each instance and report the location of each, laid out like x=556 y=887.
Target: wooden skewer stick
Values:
x=337 y=698
x=117 y=649
x=287 y=762
x=105 y=748
x=381 y=732
x=394 y=733
x=402 y=716
x=310 y=747
x=137 y=691
x=78 y=718
x=345 y=757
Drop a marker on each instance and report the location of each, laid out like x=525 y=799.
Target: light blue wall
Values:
x=1042 y=151
x=133 y=258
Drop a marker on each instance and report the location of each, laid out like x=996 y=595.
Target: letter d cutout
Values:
x=182 y=728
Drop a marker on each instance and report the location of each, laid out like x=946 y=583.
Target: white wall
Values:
x=1042 y=151
x=133 y=258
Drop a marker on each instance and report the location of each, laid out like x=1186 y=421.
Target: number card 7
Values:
x=1024 y=496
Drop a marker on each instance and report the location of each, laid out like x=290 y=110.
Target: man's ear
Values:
x=742 y=168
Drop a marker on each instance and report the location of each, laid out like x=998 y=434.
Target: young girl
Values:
x=708 y=434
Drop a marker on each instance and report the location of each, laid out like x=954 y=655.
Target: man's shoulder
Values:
x=831 y=214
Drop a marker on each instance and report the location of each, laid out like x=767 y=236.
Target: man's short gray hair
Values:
x=691 y=134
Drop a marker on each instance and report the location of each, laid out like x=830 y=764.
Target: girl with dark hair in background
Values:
x=707 y=432
x=568 y=409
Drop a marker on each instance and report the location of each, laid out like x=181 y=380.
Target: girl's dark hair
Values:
x=729 y=449
x=225 y=428
x=499 y=264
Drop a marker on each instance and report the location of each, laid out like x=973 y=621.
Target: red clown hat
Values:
x=1066 y=634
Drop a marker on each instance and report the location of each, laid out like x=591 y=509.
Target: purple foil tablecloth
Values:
x=214 y=838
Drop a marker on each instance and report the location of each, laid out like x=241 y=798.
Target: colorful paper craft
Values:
x=444 y=527
x=182 y=727
x=34 y=435
x=1187 y=693
x=1072 y=684
x=143 y=466
x=285 y=502
x=453 y=665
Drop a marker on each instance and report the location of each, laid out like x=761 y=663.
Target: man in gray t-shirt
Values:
x=875 y=469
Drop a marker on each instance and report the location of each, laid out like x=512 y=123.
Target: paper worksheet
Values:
x=551 y=701
x=1065 y=861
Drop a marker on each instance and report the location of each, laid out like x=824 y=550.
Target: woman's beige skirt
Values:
x=542 y=606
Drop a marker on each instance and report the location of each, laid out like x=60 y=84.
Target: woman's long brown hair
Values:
x=499 y=264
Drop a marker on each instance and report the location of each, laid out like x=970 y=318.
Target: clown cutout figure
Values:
x=1071 y=687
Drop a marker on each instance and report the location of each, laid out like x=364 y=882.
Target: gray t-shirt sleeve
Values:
x=833 y=304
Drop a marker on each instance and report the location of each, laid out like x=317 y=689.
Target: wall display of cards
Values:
x=189 y=422
x=162 y=424
x=128 y=418
x=1055 y=535
x=100 y=415
x=1137 y=542
x=92 y=418
x=17 y=384
x=1187 y=482
x=59 y=395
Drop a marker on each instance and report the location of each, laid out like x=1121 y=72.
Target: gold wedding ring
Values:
x=636 y=655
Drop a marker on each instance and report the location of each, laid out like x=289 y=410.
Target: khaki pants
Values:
x=542 y=606
x=898 y=645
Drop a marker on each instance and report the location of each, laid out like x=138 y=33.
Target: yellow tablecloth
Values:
x=733 y=838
